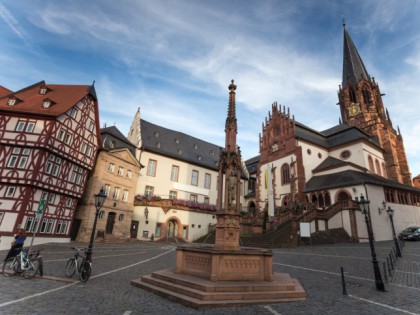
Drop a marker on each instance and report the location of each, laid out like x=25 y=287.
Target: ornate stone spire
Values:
x=231 y=127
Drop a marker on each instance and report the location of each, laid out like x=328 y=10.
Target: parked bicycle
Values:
x=22 y=263
x=84 y=267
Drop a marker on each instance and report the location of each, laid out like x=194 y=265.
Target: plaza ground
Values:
x=317 y=268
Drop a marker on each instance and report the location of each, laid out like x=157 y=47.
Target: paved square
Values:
x=108 y=291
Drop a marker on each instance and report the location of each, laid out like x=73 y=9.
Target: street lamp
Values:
x=378 y=278
x=99 y=202
x=397 y=246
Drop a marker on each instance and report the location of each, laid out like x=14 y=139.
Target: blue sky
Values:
x=175 y=59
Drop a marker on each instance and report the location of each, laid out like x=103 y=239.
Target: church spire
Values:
x=353 y=68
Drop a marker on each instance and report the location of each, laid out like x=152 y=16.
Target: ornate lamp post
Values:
x=99 y=202
x=397 y=246
x=378 y=278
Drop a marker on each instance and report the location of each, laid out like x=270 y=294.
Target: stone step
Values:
x=218 y=294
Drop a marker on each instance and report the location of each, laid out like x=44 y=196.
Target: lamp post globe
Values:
x=364 y=204
x=99 y=202
x=390 y=212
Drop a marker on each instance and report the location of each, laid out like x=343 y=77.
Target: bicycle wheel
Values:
x=32 y=269
x=9 y=267
x=85 y=271
x=71 y=267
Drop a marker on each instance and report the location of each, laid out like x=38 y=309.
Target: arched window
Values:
x=366 y=96
x=327 y=199
x=285 y=174
x=352 y=95
x=314 y=200
x=378 y=168
x=371 y=167
x=321 y=201
x=344 y=198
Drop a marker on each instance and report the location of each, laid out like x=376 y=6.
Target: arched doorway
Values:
x=110 y=221
x=252 y=209
x=172 y=228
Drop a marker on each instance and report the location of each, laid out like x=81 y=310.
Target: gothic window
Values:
x=371 y=166
x=352 y=95
x=285 y=174
x=378 y=168
x=366 y=96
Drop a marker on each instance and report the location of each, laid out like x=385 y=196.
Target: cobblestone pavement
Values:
x=317 y=268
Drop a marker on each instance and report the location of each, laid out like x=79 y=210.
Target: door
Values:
x=134 y=228
x=75 y=229
x=110 y=223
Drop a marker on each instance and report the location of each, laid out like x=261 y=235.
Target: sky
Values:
x=175 y=59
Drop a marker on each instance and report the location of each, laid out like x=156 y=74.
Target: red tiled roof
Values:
x=4 y=91
x=30 y=101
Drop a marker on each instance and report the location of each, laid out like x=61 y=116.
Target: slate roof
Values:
x=353 y=68
x=332 y=162
x=63 y=98
x=351 y=177
x=252 y=164
x=109 y=134
x=179 y=145
x=335 y=136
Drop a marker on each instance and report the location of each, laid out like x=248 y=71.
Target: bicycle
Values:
x=23 y=263
x=84 y=268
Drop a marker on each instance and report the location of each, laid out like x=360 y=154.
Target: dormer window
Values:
x=46 y=104
x=157 y=134
x=43 y=91
x=196 y=146
x=176 y=140
x=11 y=101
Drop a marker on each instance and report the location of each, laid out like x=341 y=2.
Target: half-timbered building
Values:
x=49 y=139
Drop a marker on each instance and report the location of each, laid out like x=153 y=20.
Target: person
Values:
x=17 y=244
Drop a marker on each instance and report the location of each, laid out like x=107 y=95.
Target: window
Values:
x=1 y=216
x=67 y=138
x=61 y=134
x=151 y=168
x=172 y=194
x=20 y=126
x=206 y=200
x=345 y=154
x=174 y=173
x=371 y=167
x=46 y=104
x=121 y=217
x=73 y=113
x=111 y=167
x=53 y=165
x=18 y=157
x=148 y=191
x=193 y=198
x=194 y=178
x=125 y=195
x=116 y=193
x=378 y=168
x=10 y=192
x=35 y=225
x=207 y=180
x=285 y=174
x=128 y=174
x=113 y=144
x=107 y=189
x=63 y=229
x=30 y=126
x=51 y=199
x=69 y=202
x=88 y=151
x=91 y=126
x=58 y=227
x=76 y=175
x=83 y=149
x=101 y=214
x=29 y=223
x=50 y=226
x=44 y=196
x=120 y=171
x=11 y=102
x=44 y=225
x=43 y=91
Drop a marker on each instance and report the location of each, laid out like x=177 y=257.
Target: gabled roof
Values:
x=334 y=136
x=351 y=177
x=353 y=68
x=114 y=131
x=332 y=163
x=111 y=135
x=178 y=145
x=4 y=91
x=64 y=97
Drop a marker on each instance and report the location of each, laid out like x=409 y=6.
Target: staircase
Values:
x=331 y=236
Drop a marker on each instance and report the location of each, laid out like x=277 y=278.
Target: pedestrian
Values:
x=17 y=244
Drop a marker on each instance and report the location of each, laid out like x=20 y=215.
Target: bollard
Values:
x=385 y=276
x=343 y=281
x=389 y=267
x=390 y=260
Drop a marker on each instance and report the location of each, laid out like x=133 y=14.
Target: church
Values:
x=305 y=175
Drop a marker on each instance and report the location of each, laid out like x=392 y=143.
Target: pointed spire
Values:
x=231 y=128
x=353 y=68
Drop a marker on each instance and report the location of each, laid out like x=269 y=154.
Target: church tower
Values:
x=361 y=105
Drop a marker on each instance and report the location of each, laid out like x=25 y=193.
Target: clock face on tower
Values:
x=354 y=109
